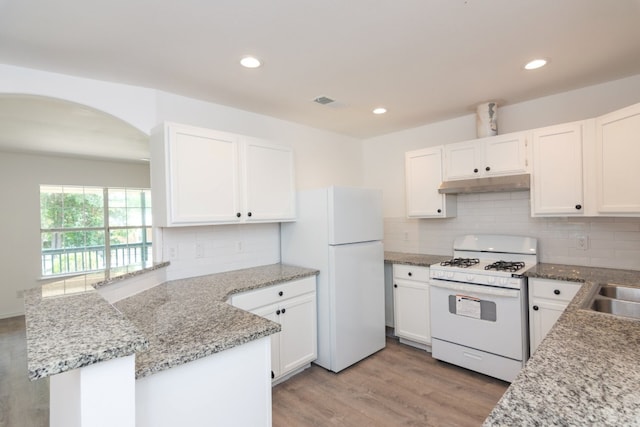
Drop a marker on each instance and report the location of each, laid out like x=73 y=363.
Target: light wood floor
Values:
x=23 y=403
x=398 y=386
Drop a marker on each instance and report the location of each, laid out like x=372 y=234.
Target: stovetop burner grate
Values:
x=460 y=262
x=510 y=266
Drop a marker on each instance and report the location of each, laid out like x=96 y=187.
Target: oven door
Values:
x=481 y=317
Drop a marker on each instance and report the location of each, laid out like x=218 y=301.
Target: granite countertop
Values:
x=188 y=319
x=422 y=260
x=96 y=279
x=72 y=331
x=585 y=371
x=69 y=325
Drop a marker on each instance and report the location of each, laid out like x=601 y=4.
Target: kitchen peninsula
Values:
x=182 y=354
x=584 y=372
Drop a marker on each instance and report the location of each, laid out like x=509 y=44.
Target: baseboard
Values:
x=9 y=315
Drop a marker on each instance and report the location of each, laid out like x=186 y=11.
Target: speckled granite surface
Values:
x=121 y=273
x=413 y=259
x=188 y=319
x=97 y=279
x=71 y=331
x=585 y=371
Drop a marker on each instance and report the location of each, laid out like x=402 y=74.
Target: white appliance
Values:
x=339 y=232
x=479 y=304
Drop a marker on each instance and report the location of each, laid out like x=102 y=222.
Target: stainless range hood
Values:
x=486 y=185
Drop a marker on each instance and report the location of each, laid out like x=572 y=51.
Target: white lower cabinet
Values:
x=293 y=306
x=411 y=305
x=547 y=301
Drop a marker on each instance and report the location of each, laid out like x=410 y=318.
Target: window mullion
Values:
x=107 y=239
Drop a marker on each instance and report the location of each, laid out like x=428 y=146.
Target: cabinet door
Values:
x=505 y=154
x=411 y=310
x=203 y=176
x=298 y=340
x=617 y=155
x=271 y=312
x=423 y=177
x=269 y=181
x=557 y=183
x=463 y=160
x=543 y=314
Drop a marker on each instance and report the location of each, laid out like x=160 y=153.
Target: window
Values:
x=86 y=229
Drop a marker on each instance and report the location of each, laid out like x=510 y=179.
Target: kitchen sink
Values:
x=617 y=300
x=620 y=292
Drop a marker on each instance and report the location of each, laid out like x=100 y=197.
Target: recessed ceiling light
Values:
x=379 y=110
x=535 y=64
x=250 y=62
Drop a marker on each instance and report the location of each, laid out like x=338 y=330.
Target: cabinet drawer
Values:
x=274 y=294
x=411 y=272
x=554 y=289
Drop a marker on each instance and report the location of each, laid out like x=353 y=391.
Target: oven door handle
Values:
x=476 y=289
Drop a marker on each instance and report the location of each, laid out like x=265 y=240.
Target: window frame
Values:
x=146 y=244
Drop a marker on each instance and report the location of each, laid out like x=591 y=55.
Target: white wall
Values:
x=229 y=247
x=21 y=176
x=134 y=105
x=322 y=158
x=614 y=243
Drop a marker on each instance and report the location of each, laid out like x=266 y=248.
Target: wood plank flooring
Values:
x=23 y=403
x=398 y=386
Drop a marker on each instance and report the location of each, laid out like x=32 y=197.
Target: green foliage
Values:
x=73 y=227
x=71 y=208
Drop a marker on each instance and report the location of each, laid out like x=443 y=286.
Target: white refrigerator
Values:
x=339 y=232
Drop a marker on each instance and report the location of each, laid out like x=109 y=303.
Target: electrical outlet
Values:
x=406 y=236
x=199 y=250
x=239 y=247
x=582 y=242
x=20 y=294
x=173 y=252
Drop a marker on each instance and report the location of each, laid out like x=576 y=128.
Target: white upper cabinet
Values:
x=617 y=157
x=423 y=171
x=557 y=185
x=269 y=181
x=202 y=177
x=492 y=156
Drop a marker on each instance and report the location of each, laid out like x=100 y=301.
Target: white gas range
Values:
x=479 y=304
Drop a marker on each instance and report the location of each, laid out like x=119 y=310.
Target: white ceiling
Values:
x=425 y=60
x=54 y=126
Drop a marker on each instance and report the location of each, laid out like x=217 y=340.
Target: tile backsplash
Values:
x=196 y=251
x=609 y=242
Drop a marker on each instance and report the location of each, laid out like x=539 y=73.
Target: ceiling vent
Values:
x=323 y=100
